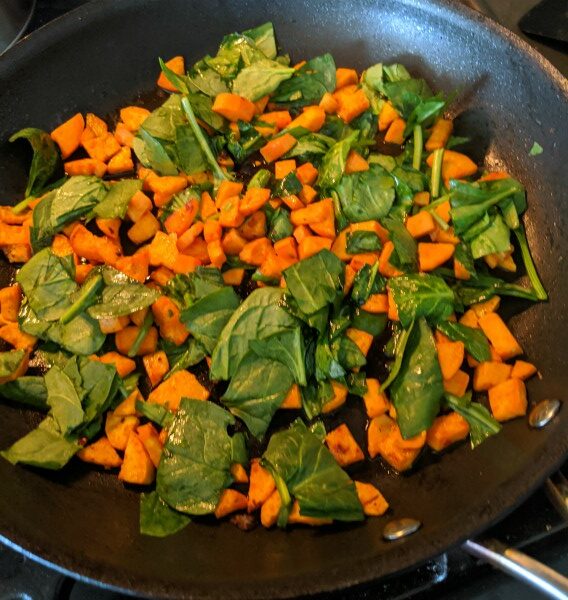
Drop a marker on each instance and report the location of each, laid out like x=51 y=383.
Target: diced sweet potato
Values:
x=125 y=338
x=450 y=357
x=372 y=501
x=489 y=374
x=387 y=115
x=395 y=132
x=457 y=385
x=85 y=166
x=233 y=276
x=312 y=118
x=440 y=134
x=20 y=370
x=376 y=304
x=10 y=300
x=376 y=402
x=138 y=205
x=156 y=366
x=362 y=339
x=500 y=336
x=352 y=102
x=151 y=440
x=230 y=501
x=261 y=485
x=175 y=64
x=339 y=397
x=420 y=224
x=431 y=256
x=385 y=267
x=128 y=406
x=384 y=438
x=293 y=399
x=255 y=252
x=277 y=147
x=469 y=319
x=167 y=316
x=133 y=117
x=101 y=453
x=508 y=399
x=239 y=473
x=345 y=77
x=118 y=429
x=137 y=468
x=343 y=446
x=270 y=509
x=447 y=430
x=113 y=324
x=182 y=384
x=68 y=135
x=483 y=308
x=124 y=365
x=13 y=335
x=523 y=370
x=313 y=244
x=295 y=517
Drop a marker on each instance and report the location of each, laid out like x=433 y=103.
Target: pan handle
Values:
x=519 y=565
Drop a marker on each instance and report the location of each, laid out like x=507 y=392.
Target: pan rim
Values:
x=361 y=571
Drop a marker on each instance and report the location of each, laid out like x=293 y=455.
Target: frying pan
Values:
x=105 y=55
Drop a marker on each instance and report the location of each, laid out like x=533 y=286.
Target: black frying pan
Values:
x=105 y=54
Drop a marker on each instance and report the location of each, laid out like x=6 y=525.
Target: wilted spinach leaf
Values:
x=260 y=78
x=157 y=518
x=482 y=424
x=417 y=390
x=256 y=391
x=115 y=203
x=197 y=457
x=304 y=468
x=421 y=295
x=363 y=241
x=334 y=161
x=28 y=390
x=474 y=340
x=45 y=161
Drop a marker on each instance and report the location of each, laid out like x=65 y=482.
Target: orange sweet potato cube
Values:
x=508 y=399
x=343 y=446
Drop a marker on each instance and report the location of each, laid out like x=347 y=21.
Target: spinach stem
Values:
x=217 y=171
x=400 y=348
x=87 y=297
x=148 y=320
x=23 y=205
x=436 y=172
x=418 y=142
x=529 y=264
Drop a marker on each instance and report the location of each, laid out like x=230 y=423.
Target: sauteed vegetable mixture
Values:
x=198 y=286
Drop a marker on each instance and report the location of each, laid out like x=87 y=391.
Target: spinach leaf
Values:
x=405 y=254
x=334 y=161
x=115 y=203
x=186 y=289
x=264 y=39
x=83 y=298
x=151 y=153
x=407 y=95
x=256 y=391
x=286 y=347
x=260 y=78
x=68 y=203
x=45 y=161
x=367 y=195
x=81 y=336
x=315 y=396
x=305 y=468
x=197 y=457
x=315 y=281
x=203 y=79
x=157 y=413
x=182 y=357
x=190 y=157
x=308 y=84
x=327 y=365
x=311 y=146
x=348 y=353
x=366 y=321
x=363 y=241
x=157 y=518
x=280 y=225
x=258 y=317
x=121 y=295
x=481 y=287
x=481 y=423
x=47 y=282
x=42 y=447
x=421 y=295
x=28 y=390
x=246 y=142
x=417 y=390
x=163 y=122
x=496 y=238
x=10 y=361
x=367 y=281
x=207 y=317
x=474 y=340
x=287 y=186
x=63 y=400
x=99 y=383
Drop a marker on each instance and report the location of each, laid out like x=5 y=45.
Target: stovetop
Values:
x=539 y=526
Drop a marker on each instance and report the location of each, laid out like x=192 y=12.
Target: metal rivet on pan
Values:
x=542 y=413
x=399 y=528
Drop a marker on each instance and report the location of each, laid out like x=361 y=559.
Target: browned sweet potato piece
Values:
x=270 y=509
x=136 y=467
x=118 y=429
x=376 y=402
x=151 y=440
x=182 y=384
x=343 y=446
x=339 y=396
x=230 y=501
x=372 y=501
x=239 y=473
x=446 y=430
x=101 y=453
x=261 y=485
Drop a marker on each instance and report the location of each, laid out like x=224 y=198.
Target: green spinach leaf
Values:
x=260 y=78
x=197 y=457
x=28 y=390
x=286 y=347
x=363 y=241
x=474 y=340
x=45 y=161
x=481 y=423
x=334 y=161
x=157 y=518
x=417 y=390
x=115 y=203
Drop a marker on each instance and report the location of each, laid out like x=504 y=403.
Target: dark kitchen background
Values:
x=539 y=527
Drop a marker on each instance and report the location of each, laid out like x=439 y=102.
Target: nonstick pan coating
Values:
x=105 y=55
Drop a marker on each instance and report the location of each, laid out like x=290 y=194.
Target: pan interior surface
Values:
x=104 y=56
